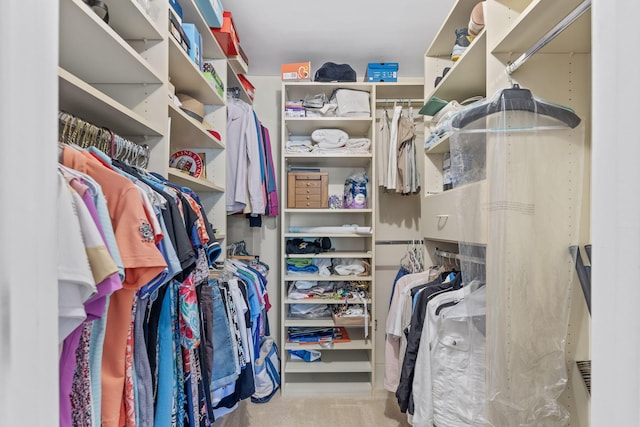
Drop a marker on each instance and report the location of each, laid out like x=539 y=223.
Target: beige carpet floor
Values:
x=379 y=410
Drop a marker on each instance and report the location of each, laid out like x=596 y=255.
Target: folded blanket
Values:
x=310 y=269
x=348 y=267
x=323 y=265
x=330 y=137
x=300 y=262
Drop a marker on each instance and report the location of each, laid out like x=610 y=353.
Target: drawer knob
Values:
x=308 y=204
x=308 y=184
x=308 y=197
x=308 y=191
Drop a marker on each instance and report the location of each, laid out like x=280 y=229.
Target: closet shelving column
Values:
x=345 y=368
x=113 y=75
x=466 y=78
x=559 y=73
x=187 y=133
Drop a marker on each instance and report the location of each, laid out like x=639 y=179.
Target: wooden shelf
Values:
x=318 y=278
x=440 y=147
x=85 y=101
x=210 y=47
x=537 y=19
x=186 y=132
x=333 y=254
x=237 y=64
x=331 y=361
x=467 y=76
x=443 y=43
x=187 y=78
x=130 y=20
x=93 y=51
x=330 y=160
x=332 y=235
x=356 y=127
x=356 y=334
x=196 y=184
x=327 y=211
x=324 y=301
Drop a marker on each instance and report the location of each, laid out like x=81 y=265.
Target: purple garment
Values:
x=95 y=305
x=94 y=308
x=272 y=188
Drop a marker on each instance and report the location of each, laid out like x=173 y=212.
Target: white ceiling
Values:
x=273 y=32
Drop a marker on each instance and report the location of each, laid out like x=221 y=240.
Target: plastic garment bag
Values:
x=517 y=163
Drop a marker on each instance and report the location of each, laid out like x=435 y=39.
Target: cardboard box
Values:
x=195 y=43
x=382 y=72
x=227 y=36
x=247 y=86
x=212 y=11
x=176 y=30
x=176 y=8
x=298 y=71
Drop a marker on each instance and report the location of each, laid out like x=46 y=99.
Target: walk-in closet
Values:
x=275 y=214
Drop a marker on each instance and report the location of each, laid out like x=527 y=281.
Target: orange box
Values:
x=296 y=71
x=227 y=36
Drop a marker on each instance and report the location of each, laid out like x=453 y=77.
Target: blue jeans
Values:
x=223 y=368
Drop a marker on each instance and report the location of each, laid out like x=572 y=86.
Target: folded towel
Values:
x=358 y=144
x=310 y=269
x=300 y=262
x=333 y=137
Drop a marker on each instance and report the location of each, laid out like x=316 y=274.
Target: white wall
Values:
x=615 y=217
x=28 y=285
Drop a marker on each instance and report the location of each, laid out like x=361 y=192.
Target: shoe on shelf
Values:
x=463 y=40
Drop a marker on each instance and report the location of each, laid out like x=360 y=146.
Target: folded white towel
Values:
x=334 y=137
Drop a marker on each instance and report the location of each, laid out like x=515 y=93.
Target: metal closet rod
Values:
x=399 y=100
x=398 y=242
x=463 y=258
x=552 y=34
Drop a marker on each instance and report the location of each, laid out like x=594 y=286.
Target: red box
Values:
x=227 y=36
x=247 y=86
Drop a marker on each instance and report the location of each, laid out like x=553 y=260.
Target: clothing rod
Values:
x=398 y=242
x=462 y=258
x=552 y=34
x=378 y=100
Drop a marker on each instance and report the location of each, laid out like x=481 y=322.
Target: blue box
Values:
x=211 y=11
x=382 y=72
x=195 y=43
x=175 y=5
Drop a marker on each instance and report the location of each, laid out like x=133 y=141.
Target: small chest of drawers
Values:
x=308 y=190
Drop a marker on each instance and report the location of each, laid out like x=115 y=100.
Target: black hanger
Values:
x=515 y=99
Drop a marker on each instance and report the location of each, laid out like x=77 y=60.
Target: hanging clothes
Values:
x=392 y=167
x=251 y=177
x=383 y=135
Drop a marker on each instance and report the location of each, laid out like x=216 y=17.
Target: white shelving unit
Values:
x=117 y=76
x=188 y=133
x=347 y=366
x=558 y=73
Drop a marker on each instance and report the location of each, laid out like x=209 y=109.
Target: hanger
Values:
x=515 y=99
